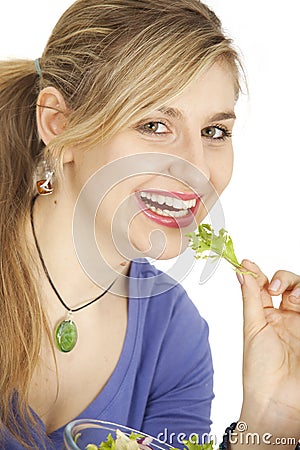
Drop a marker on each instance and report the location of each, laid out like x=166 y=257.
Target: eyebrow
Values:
x=177 y=114
x=226 y=115
x=171 y=112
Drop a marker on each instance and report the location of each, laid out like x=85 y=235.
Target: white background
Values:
x=261 y=204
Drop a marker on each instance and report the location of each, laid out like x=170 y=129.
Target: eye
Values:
x=216 y=132
x=153 y=128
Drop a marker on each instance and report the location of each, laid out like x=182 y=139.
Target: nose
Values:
x=191 y=167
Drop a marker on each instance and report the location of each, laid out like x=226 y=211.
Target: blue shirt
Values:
x=162 y=384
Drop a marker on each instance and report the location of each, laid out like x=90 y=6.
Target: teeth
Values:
x=177 y=213
x=167 y=213
x=176 y=203
x=168 y=201
x=161 y=199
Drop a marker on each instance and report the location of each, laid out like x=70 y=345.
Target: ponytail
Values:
x=21 y=317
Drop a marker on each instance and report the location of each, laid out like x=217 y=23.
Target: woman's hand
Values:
x=288 y=285
x=271 y=370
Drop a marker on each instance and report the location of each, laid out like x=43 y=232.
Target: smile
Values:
x=172 y=209
x=167 y=206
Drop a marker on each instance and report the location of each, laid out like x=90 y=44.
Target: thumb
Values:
x=254 y=317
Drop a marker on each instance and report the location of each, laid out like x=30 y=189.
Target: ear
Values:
x=51 y=115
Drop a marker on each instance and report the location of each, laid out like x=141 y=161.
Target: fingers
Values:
x=262 y=281
x=254 y=317
x=288 y=304
x=257 y=295
x=288 y=284
x=283 y=281
x=261 y=277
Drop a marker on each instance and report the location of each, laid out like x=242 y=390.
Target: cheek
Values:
x=221 y=169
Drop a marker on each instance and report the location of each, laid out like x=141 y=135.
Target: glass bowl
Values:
x=96 y=431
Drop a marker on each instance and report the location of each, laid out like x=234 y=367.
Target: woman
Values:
x=107 y=125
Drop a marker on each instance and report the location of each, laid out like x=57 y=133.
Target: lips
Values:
x=171 y=209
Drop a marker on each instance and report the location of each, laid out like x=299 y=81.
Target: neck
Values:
x=76 y=280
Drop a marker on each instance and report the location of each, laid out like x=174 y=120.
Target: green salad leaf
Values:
x=122 y=442
x=192 y=444
x=207 y=244
x=109 y=444
x=132 y=442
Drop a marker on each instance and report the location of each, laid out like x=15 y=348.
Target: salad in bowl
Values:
x=86 y=434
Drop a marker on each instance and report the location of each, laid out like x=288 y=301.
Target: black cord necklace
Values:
x=66 y=333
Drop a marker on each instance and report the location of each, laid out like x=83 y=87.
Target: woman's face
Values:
x=164 y=172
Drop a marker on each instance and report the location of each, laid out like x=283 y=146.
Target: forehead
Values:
x=212 y=92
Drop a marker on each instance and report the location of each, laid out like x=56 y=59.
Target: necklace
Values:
x=66 y=333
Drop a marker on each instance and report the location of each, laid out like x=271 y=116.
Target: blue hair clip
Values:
x=38 y=67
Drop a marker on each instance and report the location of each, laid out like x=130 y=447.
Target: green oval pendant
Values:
x=66 y=335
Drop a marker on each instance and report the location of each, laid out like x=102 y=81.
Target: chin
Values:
x=162 y=247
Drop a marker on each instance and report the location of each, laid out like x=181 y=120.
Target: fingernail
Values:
x=294 y=297
x=248 y=260
x=275 y=285
x=240 y=278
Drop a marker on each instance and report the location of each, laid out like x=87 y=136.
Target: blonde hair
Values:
x=113 y=61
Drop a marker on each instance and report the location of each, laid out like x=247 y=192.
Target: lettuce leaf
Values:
x=123 y=442
x=207 y=244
